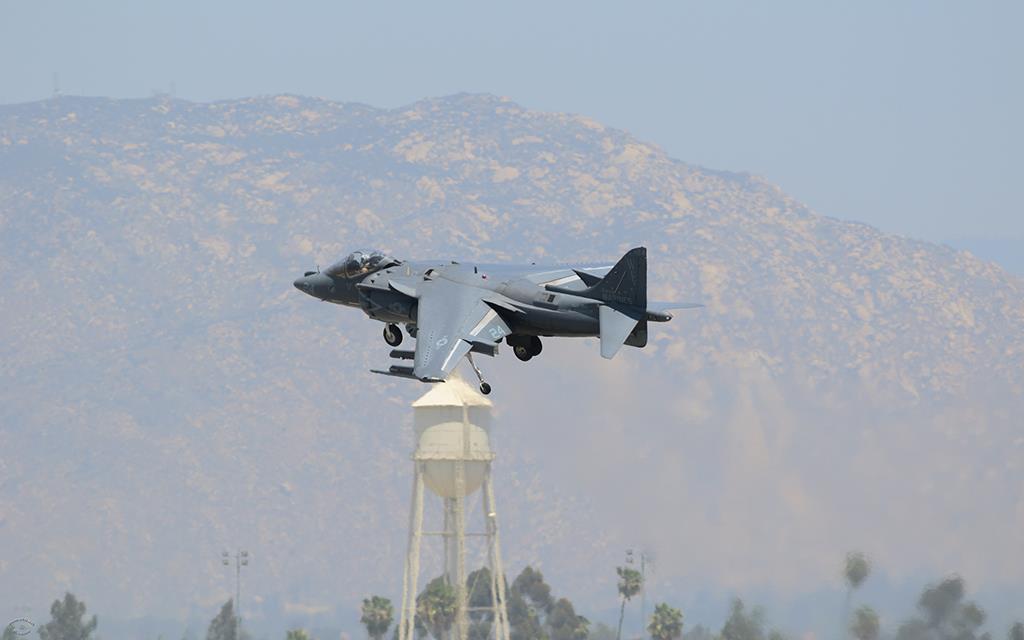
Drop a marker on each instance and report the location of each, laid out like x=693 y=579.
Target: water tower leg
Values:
x=459 y=516
x=448 y=540
x=407 y=624
x=501 y=626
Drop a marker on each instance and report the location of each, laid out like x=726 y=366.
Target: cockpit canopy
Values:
x=360 y=263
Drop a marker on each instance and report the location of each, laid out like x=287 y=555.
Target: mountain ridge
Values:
x=169 y=393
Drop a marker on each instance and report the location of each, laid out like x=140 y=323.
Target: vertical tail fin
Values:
x=623 y=291
x=626 y=283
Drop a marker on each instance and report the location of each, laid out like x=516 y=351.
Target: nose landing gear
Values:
x=392 y=335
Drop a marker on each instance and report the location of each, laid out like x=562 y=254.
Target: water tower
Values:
x=453 y=460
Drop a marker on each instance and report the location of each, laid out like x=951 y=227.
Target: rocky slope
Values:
x=164 y=392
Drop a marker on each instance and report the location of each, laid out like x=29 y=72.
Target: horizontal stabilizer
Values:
x=615 y=328
x=665 y=306
x=588 y=279
x=658 y=311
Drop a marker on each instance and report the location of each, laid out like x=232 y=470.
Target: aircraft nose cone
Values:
x=314 y=284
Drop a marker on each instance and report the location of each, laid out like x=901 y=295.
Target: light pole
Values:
x=629 y=561
x=643 y=592
x=241 y=560
x=644 y=558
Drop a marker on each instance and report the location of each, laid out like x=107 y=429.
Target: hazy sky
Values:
x=906 y=115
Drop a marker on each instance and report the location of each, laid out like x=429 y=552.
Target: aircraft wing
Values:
x=451 y=320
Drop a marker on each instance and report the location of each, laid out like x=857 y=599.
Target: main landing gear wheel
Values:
x=525 y=347
x=485 y=388
x=392 y=334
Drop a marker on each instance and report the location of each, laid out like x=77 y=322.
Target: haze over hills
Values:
x=165 y=392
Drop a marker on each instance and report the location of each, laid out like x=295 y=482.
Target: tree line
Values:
x=943 y=612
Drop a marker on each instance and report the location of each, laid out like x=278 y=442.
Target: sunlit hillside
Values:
x=166 y=393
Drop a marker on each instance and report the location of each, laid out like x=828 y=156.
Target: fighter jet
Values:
x=455 y=309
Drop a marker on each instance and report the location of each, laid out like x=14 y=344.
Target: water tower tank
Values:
x=452 y=422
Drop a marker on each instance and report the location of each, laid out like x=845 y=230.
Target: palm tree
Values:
x=856 y=571
x=865 y=624
x=666 y=623
x=435 y=608
x=630 y=583
x=377 y=616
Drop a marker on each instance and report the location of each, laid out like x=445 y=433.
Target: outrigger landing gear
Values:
x=484 y=387
x=392 y=334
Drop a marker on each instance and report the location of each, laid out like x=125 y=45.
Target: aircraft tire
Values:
x=523 y=352
x=392 y=335
x=536 y=346
x=485 y=388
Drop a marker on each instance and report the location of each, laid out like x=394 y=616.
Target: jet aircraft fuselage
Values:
x=456 y=308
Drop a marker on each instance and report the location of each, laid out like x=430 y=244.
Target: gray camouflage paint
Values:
x=454 y=309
